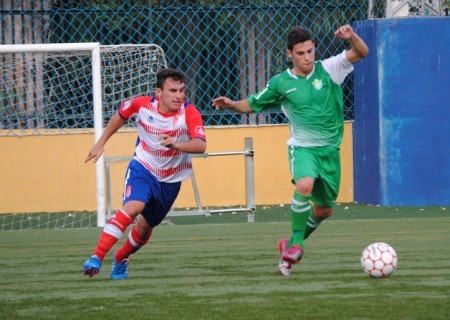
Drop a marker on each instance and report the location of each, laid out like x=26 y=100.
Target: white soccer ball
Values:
x=379 y=260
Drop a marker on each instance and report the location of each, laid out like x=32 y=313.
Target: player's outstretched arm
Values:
x=241 y=106
x=113 y=125
x=359 y=48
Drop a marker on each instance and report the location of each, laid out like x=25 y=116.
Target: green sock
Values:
x=311 y=225
x=300 y=211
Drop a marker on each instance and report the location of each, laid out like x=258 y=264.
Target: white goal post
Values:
x=94 y=49
x=51 y=97
x=63 y=90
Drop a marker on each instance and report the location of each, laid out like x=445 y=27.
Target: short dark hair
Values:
x=162 y=76
x=298 y=35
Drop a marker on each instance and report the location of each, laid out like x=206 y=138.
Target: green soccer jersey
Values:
x=313 y=104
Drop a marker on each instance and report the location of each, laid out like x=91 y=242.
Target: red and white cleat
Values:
x=294 y=254
x=284 y=266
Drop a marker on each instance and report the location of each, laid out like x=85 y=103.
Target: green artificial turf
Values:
x=222 y=267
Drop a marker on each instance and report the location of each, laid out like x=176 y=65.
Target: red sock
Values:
x=133 y=243
x=112 y=232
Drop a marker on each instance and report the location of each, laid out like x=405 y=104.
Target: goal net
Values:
x=53 y=97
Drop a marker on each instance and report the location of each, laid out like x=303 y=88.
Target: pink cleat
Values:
x=284 y=266
x=293 y=255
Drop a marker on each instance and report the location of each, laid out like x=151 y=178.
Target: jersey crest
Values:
x=317 y=83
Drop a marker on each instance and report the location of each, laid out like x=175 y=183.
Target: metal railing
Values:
x=248 y=153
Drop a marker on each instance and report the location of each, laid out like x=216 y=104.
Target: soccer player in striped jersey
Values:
x=310 y=96
x=170 y=128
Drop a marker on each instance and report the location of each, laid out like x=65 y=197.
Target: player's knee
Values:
x=323 y=212
x=305 y=185
x=133 y=208
x=143 y=228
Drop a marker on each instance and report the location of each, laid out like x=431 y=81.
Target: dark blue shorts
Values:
x=142 y=185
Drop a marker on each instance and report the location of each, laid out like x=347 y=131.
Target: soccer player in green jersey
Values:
x=310 y=96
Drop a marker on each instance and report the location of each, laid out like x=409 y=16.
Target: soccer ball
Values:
x=379 y=260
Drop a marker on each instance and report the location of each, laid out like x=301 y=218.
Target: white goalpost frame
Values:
x=96 y=51
x=94 y=48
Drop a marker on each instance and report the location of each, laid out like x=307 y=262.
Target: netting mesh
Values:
x=44 y=93
x=225 y=47
x=128 y=71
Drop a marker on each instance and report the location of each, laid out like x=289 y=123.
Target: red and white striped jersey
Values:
x=165 y=164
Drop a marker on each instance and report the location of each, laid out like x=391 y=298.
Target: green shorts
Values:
x=324 y=165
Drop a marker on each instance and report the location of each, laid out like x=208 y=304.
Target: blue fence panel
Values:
x=402 y=122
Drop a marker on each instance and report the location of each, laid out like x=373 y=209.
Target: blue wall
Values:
x=401 y=133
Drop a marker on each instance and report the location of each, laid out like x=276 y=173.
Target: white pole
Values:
x=98 y=129
x=94 y=47
x=249 y=180
x=49 y=47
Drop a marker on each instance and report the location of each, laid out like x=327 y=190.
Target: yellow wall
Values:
x=48 y=173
